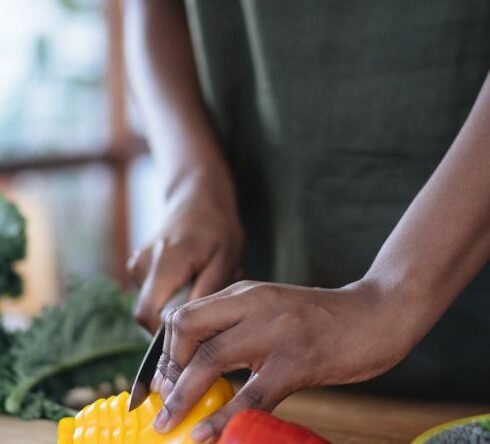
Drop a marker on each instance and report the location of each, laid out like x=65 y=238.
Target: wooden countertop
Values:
x=347 y=418
x=344 y=418
x=16 y=431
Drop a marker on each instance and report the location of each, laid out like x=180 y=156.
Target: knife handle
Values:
x=179 y=298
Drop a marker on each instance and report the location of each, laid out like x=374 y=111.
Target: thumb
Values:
x=260 y=392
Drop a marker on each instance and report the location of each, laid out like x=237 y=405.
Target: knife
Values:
x=141 y=385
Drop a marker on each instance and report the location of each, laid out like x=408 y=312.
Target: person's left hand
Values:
x=290 y=337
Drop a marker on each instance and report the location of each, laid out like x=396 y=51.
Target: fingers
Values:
x=234 y=348
x=157 y=380
x=188 y=326
x=196 y=322
x=168 y=272
x=262 y=391
x=216 y=275
x=139 y=264
x=166 y=384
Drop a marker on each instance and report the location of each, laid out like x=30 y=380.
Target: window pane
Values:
x=53 y=62
x=146 y=201
x=70 y=212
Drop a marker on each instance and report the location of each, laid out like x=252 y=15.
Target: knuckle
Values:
x=178 y=320
x=209 y=354
x=242 y=286
x=163 y=363
x=256 y=289
x=173 y=371
x=169 y=318
x=142 y=315
x=271 y=293
x=182 y=320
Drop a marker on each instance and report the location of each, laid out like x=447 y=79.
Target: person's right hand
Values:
x=201 y=240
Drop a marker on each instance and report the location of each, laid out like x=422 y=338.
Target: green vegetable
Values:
x=90 y=339
x=12 y=247
x=485 y=425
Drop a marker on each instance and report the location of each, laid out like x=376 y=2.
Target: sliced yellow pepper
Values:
x=107 y=421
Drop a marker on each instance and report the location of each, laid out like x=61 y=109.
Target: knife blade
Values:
x=141 y=385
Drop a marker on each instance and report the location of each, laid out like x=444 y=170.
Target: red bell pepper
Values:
x=258 y=427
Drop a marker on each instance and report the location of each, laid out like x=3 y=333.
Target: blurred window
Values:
x=71 y=152
x=66 y=148
x=146 y=201
x=78 y=207
x=52 y=95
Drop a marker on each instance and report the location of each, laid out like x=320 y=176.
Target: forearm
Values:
x=163 y=77
x=443 y=239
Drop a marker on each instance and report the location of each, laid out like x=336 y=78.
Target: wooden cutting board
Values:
x=344 y=418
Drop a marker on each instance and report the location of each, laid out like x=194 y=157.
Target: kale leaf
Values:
x=12 y=247
x=90 y=339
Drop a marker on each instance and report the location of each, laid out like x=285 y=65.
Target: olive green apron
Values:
x=333 y=114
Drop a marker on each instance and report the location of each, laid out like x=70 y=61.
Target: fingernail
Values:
x=161 y=420
x=202 y=432
x=166 y=388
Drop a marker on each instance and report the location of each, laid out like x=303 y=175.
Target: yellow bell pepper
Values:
x=108 y=420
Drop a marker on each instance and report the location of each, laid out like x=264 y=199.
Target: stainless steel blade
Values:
x=141 y=385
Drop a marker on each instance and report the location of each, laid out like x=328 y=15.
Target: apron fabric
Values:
x=332 y=115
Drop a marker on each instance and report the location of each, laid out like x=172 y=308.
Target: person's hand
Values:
x=201 y=240
x=291 y=338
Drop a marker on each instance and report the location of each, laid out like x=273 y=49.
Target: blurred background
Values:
x=71 y=153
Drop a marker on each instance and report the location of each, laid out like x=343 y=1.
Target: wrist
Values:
x=404 y=304
x=202 y=184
